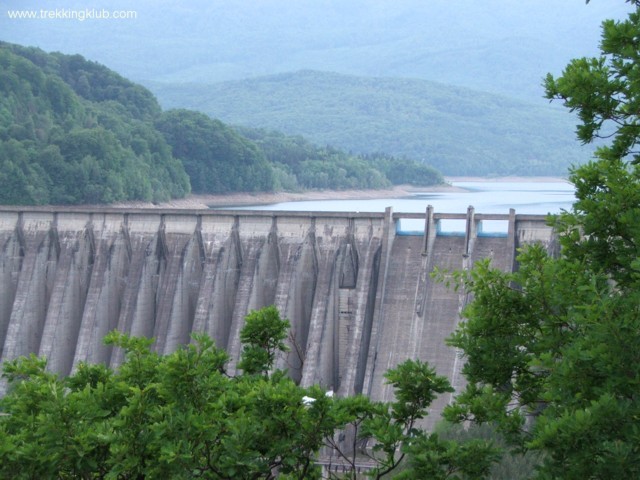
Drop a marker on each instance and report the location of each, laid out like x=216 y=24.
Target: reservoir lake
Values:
x=526 y=197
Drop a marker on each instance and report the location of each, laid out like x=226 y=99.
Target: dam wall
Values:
x=355 y=286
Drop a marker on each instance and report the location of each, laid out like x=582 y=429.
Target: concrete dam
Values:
x=355 y=286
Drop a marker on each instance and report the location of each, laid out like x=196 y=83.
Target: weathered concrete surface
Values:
x=357 y=291
x=106 y=287
x=39 y=250
x=69 y=292
x=10 y=266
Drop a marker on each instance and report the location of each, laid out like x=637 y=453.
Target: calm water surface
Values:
x=486 y=196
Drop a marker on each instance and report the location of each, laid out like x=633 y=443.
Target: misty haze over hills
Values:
x=457 y=130
x=181 y=51
x=495 y=45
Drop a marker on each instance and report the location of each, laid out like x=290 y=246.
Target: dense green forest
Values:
x=456 y=130
x=184 y=416
x=298 y=163
x=552 y=349
x=74 y=132
x=215 y=157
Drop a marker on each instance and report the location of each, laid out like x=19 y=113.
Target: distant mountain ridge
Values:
x=457 y=130
x=493 y=45
x=73 y=131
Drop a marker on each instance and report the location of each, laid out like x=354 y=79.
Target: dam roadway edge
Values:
x=355 y=286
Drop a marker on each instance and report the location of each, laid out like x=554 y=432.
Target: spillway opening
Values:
x=409 y=226
x=451 y=227
x=493 y=228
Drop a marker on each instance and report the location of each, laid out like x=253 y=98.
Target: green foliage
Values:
x=603 y=91
x=301 y=164
x=454 y=130
x=181 y=416
x=174 y=416
x=538 y=346
x=544 y=346
x=402 y=171
x=603 y=228
x=74 y=132
x=92 y=81
x=437 y=459
x=390 y=432
x=512 y=465
x=263 y=335
x=216 y=158
x=416 y=385
x=552 y=349
x=62 y=143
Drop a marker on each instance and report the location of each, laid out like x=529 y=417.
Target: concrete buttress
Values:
x=357 y=288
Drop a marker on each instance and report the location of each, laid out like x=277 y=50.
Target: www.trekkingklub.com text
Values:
x=72 y=14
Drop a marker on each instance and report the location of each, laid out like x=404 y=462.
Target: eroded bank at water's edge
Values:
x=357 y=291
x=264 y=198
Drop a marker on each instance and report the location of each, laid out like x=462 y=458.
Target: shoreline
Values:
x=244 y=199
x=508 y=179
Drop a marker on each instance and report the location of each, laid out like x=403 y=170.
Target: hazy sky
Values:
x=496 y=45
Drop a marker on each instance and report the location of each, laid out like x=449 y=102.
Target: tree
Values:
x=58 y=145
x=552 y=350
x=173 y=416
x=216 y=158
x=263 y=335
x=605 y=92
x=385 y=434
x=182 y=416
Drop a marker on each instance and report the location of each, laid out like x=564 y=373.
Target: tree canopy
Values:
x=552 y=349
x=455 y=130
x=182 y=416
x=74 y=132
x=216 y=158
x=299 y=164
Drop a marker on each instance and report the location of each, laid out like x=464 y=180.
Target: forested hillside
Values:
x=74 y=132
x=298 y=163
x=458 y=131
